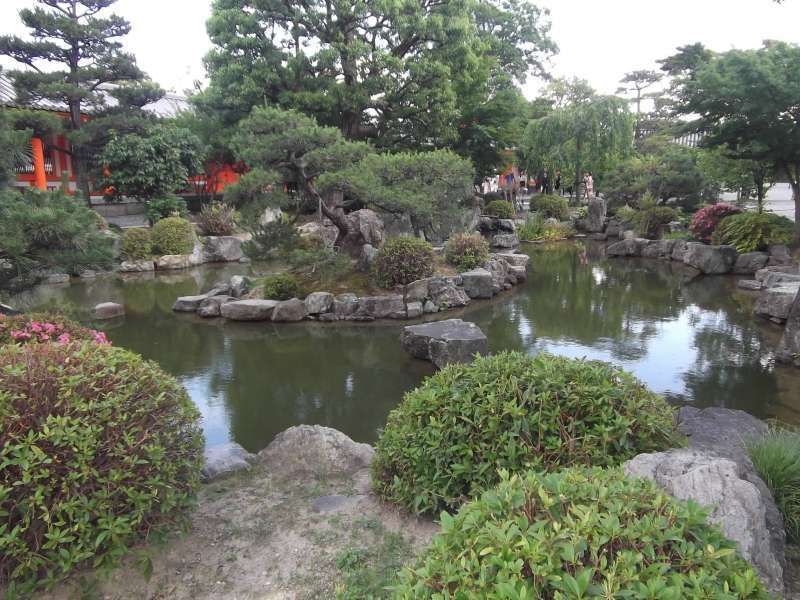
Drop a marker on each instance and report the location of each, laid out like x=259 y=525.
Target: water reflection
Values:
x=694 y=342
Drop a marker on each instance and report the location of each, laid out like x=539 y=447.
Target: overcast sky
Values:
x=599 y=40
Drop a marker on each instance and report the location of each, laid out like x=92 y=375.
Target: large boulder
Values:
x=789 y=347
x=596 y=216
x=367 y=256
x=500 y=274
x=224 y=248
x=505 y=240
x=366 y=227
x=775 y=303
x=326 y=232
x=417 y=291
x=318 y=303
x=224 y=459
x=381 y=307
x=779 y=255
x=137 y=266
x=514 y=259
x=778 y=275
x=345 y=306
x=212 y=306
x=316 y=451
x=188 y=303
x=248 y=310
x=750 y=262
x=170 y=262
x=109 y=310
x=679 y=250
x=478 y=283
x=445 y=292
x=444 y=342
x=627 y=247
x=289 y=311
x=239 y=286
x=658 y=249
x=710 y=260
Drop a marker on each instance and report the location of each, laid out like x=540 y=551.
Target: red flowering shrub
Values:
x=706 y=219
x=41 y=328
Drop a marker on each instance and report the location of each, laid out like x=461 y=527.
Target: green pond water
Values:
x=694 y=342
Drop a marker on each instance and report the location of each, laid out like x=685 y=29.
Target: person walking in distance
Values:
x=557 y=183
x=545 y=183
x=588 y=185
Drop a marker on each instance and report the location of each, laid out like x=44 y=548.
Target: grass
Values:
x=776 y=457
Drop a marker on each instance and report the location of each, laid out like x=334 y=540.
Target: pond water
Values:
x=694 y=342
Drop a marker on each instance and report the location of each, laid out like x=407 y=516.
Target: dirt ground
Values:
x=255 y=538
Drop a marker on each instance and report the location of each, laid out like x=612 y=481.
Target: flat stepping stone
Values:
x=445 y=342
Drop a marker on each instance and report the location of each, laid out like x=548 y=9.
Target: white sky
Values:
x=600 y=40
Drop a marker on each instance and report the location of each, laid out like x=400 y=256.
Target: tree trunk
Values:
x=578 y=197
x=796 y=198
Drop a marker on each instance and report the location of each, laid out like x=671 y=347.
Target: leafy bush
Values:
x=43 y=328
x=402 y=260
x=42 y=230
x=750 y=231
x=557 y=231
x=105 y=447
x=532 y=229
x=281 y=286
x=551 y=207
x=173 y=235
x=500 y=209
x=137 y=243
x=278 y=235
x=218 y=219
x=706 y=219
x=466 y=251
x=626 y=214
x=650 y=221
x=579 y=533
x=317 y=263
x=776 y=457
x=445 y=442
x=168 y=206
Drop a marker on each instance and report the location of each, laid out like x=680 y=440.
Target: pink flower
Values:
x=20 y=335
x=100 y=338
x=63 y=338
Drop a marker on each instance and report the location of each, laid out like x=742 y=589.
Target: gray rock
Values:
x=239 y=286
x=772 y=277
x=679 y=250
x=520 y=273
x=417 y=291
x=212 y=306
x=345 y=305
x=313 y=450
x=173 y=261
x=109 y=310
x=627 y=247
x=318 y=303
x=444 y=342
x=500 y=274
x=748 y=284
x=219 y=289
x=710 y=260
x=325 y=232
x=334 y=503
x=750 y=262
x=289 y=311
x=505 y=240
x=506 y=225
x=445 y=293
x=248 y=310
x=658 y=249
x=789 y=347
x=598 y=237
x=414 y=310
x=676 y=227
x=87 y=274
x=478 y=283
x=225 y=459
x=382 y=307
x=7 y=310
x=596 y=215
x=430 y=308
x=367 y=257
x=224 y=248
x=57 y=278
x=188 y=303
x=514 y=259
x=779 y=255
x=775 y=303
x=137 y=266
x=366 y=227
x=628 y=234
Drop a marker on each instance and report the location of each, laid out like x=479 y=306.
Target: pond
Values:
x=696 y=342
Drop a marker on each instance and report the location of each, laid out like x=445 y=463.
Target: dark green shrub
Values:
x=104 y=448
x=500 y=209
x=466 y=251
x=532 y=229
x=43 y=230
x=173 y=235
x=218 y=218
x=446 y=440
x=579 y=533
x=279 y=235
x=137 y=243
x=551 y=207
x=45 y=327
x=161 y=208
x=402 y=260
x=776 y=457
x=750 y=231
x=281 y=286
x=650 y=221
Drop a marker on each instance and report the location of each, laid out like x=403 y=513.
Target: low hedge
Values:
x=137 y=244
x=579 y=533
x=751 y=231
x=466 y=251
x=500 y=208
x=103 y=448
x=402 y=260
x=551 y=207
x=38 y=328
x=173 y=235
x=282 y=286
x=446 y=440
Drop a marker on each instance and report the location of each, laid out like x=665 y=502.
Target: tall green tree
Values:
x=72 y=54
x=747 y=102
x=586 y=131
x=636 y=83
x=11 y=144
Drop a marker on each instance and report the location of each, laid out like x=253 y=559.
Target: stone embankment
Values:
x=210 y=249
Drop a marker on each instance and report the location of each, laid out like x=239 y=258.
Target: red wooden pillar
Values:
x=39 y=176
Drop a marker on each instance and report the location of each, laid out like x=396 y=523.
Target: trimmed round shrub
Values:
x=101 y=449
x=750 y=231
x=45 y=327
x=579 y=533
x=137 y=243
x=500 y=209
x=706 y=219
x=551 y=207
x=466 y=251
x=173 y=235
x=281 y=286
x=650 y=221
x=218 y=219
x=447 y=439
x=402 y=260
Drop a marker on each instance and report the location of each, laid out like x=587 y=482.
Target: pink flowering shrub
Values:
x=39 y=329
x=706 y=219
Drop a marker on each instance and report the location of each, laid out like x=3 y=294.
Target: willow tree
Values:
x=585 y=131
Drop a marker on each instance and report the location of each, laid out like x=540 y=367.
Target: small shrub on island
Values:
x=751 y=231
x=466 y=251
x=446 y=440
x=137 y=244
x=42 y=328
x=551 y=207
x=500 y=209
x=173 y=235
x=402 y=260
x=650 y=221
x=579 y=533
x=168 y=206
x=706 y=219
x=103 y=449
x=282 y=286
x=218 y=218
